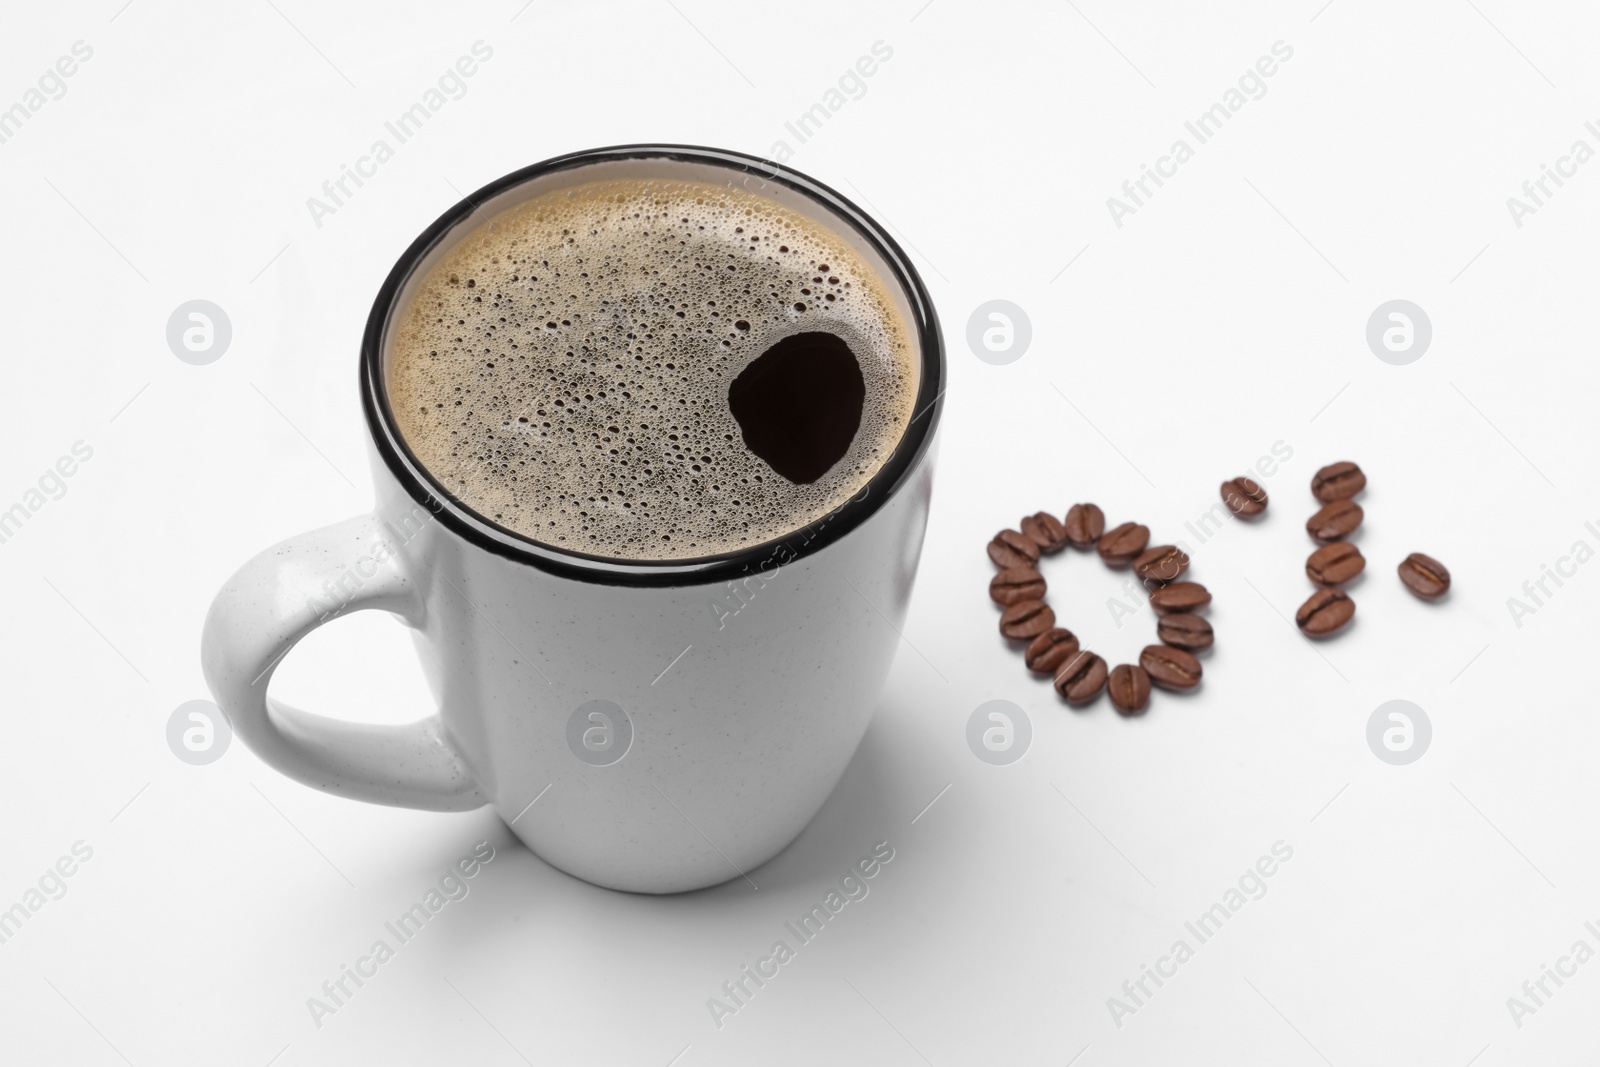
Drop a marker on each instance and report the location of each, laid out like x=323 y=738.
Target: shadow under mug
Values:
x=645 y=726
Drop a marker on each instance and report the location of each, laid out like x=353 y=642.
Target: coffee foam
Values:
x=564 y=369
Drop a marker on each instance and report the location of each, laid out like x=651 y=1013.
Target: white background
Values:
x=1226 y=315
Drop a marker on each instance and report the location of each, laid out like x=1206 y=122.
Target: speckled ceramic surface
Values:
x=744 y=704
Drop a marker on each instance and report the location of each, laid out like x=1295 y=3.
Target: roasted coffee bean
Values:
x=1326 y=613
x=1335 y=564
x=1016 y=583
x=1244 y=497
x=1180 y=596
x=1026 y=619
x=1170 y=668
x=1085 y=523
x=1425 y=576
x=1164 y=563
x=1081 y=677
x=1129 y=689
x=1184 y=631
x=1337 y=481
x=1335 y=521
x=1122 y=545
x=1010 y=549
x=1050 y=650
x=1046 y=531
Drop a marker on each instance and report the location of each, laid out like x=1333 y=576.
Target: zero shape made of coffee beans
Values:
x=1325 y=613
x=1011 y=549
x=1179 y=596
x=1128 y=686
x=1244 y=497
x=1121 y=545
x=1335 y=521
x=1085 y=523
x=1338 y=481
x=1016 y=583
x=1170 y=668
x=1077 y=674
x=1185 y=631
x=1026 y=619
x=1050 y=650
x=1080 y=679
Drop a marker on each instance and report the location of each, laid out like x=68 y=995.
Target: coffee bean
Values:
x=1425 y=576
x=1337 y=481
x=1335 y=521
x=1050 y=650
x=1085 y=523
x=1244 y=497
x=1326 y=613
x=1122 y=545
x=1016 y=583
x=1170 y=668
x=1026 y=619
x=1335 y=564
x=1185 y=631
x=1010 y=549
x=1046 y=531
x=1081 y=677
x=1129 y=689
x=1161 y=564
x=1180 y=596
x=1182 y=630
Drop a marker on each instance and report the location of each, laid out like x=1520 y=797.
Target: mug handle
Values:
x=264 y=610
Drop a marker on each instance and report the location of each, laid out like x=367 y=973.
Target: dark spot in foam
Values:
x=799 y=403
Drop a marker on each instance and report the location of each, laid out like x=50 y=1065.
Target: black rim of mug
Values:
x=487 y=534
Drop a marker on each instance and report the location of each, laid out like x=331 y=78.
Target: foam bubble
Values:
x=564 y=369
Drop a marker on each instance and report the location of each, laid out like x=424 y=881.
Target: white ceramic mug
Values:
x=653 y=727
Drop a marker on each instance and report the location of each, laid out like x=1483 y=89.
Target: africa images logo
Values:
x=747 y=983
x=452 y=886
